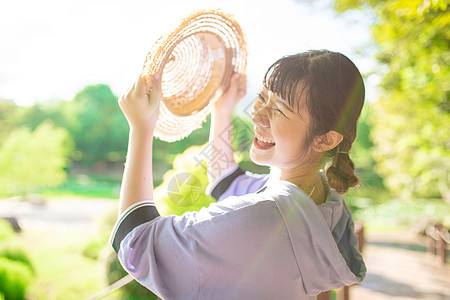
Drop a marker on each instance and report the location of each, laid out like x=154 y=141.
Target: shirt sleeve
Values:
x=236 y=182
x=176 y=256
x=158 y=252
x=133 y=216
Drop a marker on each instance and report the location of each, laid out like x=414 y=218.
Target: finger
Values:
x=130 y=89
x=234 y=83
x=243 y=78
x=121 y=102
x=156 y=83
x=241 y=86
x=155 y=94
x=141 y=83
x=235 y=78
x=244 y=83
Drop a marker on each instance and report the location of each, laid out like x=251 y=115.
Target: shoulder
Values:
x=236 y=214
x=235 y=207
x=295 y=206
x=235 y=182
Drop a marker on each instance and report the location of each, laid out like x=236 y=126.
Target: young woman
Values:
x=284 y=235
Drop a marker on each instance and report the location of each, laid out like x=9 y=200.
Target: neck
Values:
x=307 y=178
x=307 y=175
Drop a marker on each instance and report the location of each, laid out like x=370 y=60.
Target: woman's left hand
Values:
x=140 y=109
x=235 y=92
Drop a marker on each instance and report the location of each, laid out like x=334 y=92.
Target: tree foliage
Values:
x=362 y=155
x=32 y=159
x=8 y=118
x=411 y=118
x=97 y=125
x=35 y=115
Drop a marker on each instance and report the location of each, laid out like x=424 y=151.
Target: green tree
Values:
x=33 y=116
x=33 y=159
x=411 y=118
x=97 y=125
x=362 y=155
x=9 y=117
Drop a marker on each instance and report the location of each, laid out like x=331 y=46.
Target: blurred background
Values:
x=63 y=139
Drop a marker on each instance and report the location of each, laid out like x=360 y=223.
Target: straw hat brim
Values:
x=196 y=61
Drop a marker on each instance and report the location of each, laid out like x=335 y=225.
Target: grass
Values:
x=86 y=186
x=61 y=269
x=62 y=272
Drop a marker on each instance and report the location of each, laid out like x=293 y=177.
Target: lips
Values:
x=262 y=142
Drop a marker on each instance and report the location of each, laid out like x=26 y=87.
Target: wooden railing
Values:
x=438 y=239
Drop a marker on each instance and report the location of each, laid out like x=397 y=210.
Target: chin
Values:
x=257 y=159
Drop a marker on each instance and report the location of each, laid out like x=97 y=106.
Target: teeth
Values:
x=261 y=138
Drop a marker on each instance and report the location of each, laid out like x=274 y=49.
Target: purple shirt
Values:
x=263 y=239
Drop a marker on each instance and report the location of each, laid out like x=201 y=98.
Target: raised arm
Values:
x=221 y=127
x=141 y=112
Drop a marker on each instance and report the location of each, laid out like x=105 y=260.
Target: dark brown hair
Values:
x=334 y=92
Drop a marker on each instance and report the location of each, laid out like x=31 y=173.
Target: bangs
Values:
x=284 y=76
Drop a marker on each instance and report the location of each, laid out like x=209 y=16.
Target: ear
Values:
x=327 y=141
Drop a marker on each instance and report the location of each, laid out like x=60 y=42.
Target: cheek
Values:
x=255 y=107
x=290 y=138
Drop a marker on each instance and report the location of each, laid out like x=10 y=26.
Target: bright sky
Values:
x=52 y=49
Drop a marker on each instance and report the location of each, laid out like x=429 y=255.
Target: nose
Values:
x=260 y=116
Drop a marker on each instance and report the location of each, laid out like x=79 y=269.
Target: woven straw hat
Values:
x=196 y=61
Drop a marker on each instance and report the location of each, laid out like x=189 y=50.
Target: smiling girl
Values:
x=283 y=235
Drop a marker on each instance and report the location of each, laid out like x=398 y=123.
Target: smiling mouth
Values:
x=262 y=142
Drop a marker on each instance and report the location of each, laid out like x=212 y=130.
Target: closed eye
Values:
x=260 y=97
x=278 y=110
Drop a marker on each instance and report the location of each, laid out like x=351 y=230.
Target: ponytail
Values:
x=341 y=174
